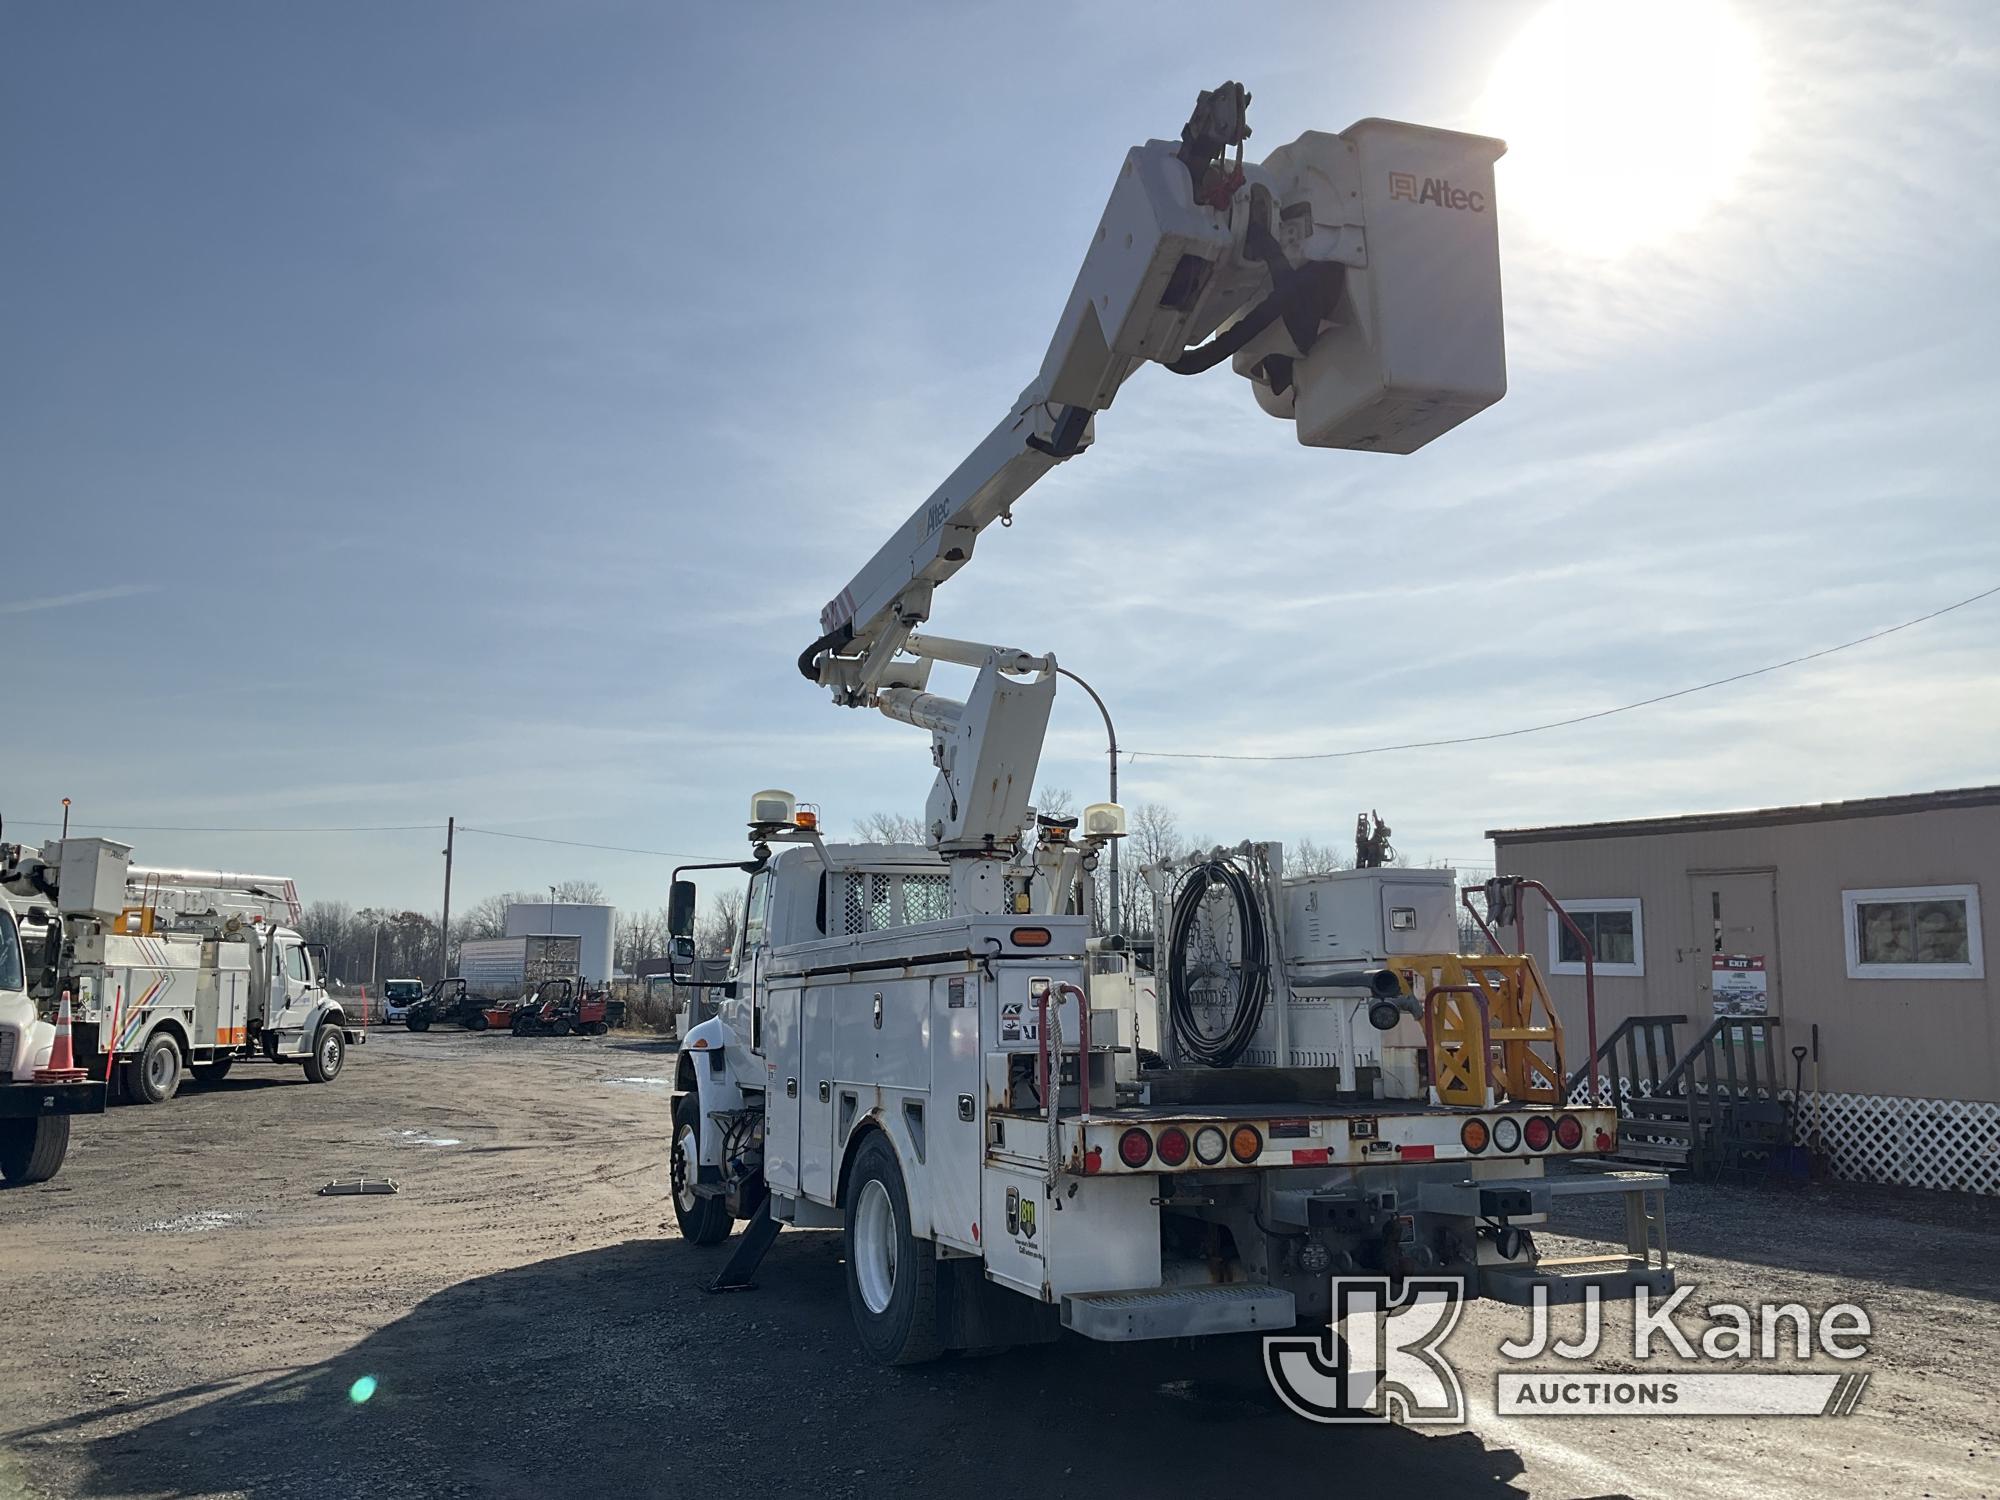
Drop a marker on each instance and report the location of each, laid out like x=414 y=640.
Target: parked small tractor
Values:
x=559 y=1007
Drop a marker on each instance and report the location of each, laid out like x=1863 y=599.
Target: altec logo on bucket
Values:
x=1436 y=190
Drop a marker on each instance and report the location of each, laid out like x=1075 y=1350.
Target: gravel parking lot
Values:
x=188 y=1318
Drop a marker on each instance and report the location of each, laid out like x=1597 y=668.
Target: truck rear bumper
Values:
x=1179 y=1312
x=20 y=1101
x=1643 y=1263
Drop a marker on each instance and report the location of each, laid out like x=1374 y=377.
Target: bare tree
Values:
x=583 y=892
x=640 y=935
x=1055 y=802
x=1306 y=855
x=889 y=828
x=715 y=934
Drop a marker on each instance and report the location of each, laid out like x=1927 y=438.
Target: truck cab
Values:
x=35 y=1105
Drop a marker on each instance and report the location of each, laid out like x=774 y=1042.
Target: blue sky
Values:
x=466 y=408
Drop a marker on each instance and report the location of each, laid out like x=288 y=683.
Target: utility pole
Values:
x=1110 y=734
x=444 y=926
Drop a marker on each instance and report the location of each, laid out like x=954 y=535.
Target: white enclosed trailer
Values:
x=175 y=972
x=922 y=1046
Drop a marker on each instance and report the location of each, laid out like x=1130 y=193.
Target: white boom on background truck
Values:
x=925 y=1047
x=172 y=972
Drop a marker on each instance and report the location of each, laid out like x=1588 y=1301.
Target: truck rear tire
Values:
x=891 y=1274
x=703 y=1220
x=329 y=1051
x=154 y=1075
x=213 y=1072
x=33 y=1150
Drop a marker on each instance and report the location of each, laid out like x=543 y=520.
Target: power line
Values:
x=187 y=828
x=1602 y=713
x=534 y=838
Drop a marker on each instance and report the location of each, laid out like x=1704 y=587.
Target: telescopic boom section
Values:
x=1353 y=279
x=1356 y=281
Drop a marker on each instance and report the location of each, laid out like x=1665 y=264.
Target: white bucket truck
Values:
x=924 y=1048
x=173 y=972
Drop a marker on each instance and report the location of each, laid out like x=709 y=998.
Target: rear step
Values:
x=1179 y=1312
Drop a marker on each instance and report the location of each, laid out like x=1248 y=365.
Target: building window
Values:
x=1616 y=931
x=1913 y=932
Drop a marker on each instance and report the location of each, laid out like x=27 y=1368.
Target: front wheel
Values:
x=561 y=1027
x=329 y=1052
x=891 y=1274
x=33 y=1150
x=416 y=1022
x=155 y=1073
x=703 y=1220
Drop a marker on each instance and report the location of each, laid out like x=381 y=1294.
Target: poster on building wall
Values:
x=1737 y=985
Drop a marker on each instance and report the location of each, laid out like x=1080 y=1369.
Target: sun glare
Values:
x=1626 y=121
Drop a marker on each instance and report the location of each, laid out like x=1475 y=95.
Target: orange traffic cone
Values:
x=62 y=1066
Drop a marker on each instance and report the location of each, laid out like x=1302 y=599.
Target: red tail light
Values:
x=1569 y=1132
x=1173 y=1146
x=1537 y=1133
x=1135 y=1147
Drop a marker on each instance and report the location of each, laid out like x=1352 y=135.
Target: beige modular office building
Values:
x=1863 y=918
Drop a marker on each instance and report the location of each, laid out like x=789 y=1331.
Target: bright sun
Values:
x=1625 y=120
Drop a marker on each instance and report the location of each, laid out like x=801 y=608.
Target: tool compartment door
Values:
x=782 y=1089
x=816 y=1090
x=956 y=1112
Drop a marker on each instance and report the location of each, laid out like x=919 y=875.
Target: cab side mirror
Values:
x=680 y=909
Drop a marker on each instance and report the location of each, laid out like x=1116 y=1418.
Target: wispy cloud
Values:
x=81 y=596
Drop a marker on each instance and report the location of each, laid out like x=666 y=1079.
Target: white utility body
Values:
x=1018 y=1127
x=172 y=972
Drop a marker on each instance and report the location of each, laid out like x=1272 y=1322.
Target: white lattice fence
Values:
x=1949 y=1144
x=1952 y=1145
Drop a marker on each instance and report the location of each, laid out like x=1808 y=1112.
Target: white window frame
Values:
x=1852 y=901
x=1634 y=970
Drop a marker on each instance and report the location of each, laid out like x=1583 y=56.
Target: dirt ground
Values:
x=187 y=1318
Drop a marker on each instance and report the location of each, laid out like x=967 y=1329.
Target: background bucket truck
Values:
x=172 y=972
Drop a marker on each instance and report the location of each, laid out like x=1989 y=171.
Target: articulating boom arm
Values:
x=1353 y=279
x=1358 y=276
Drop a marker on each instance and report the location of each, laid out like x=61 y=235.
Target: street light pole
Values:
x=1111 y=735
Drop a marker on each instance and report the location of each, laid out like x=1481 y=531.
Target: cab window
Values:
x=12 y=975
x=295 y=963
x=756 y=913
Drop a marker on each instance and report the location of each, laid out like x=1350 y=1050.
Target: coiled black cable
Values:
x=1197 y=1045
